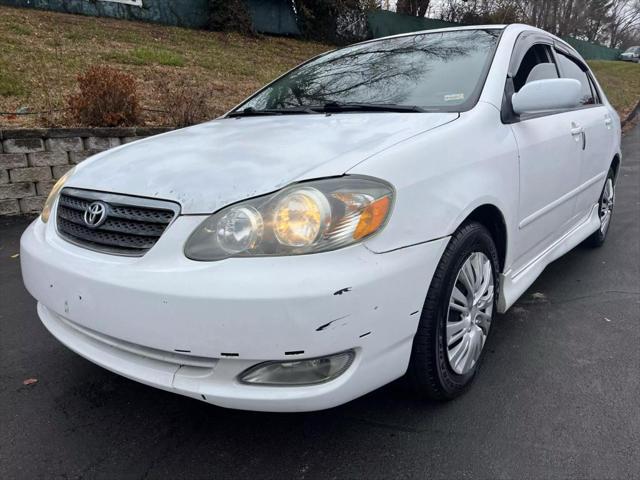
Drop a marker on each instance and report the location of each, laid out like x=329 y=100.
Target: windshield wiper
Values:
x=250 y=111
x=331 y=107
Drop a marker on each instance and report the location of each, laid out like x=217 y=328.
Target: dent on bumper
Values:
x=235 y=313
x=217 y=383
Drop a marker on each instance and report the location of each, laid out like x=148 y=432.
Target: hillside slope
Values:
x=41 y=54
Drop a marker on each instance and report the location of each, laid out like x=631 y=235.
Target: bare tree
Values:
x=613 y=22
x=416 y=8
x=625 y=21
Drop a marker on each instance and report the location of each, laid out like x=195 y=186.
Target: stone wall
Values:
x=31 y=160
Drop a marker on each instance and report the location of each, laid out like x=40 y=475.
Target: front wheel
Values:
x=605 y=211
x=457 y=315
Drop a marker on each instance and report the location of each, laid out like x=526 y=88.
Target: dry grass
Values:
x=41 y=54
x=621 y=81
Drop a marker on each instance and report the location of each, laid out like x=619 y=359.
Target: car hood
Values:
x=211 y=165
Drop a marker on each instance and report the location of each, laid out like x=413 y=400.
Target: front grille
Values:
x=130 y=225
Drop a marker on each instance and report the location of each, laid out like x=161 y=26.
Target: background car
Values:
x=632 y=54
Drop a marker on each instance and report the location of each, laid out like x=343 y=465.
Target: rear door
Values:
x=598 y=133
x=550 y=150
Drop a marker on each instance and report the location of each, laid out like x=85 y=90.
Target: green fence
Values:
x=273 y=16
x=383 y=23
x=268 y=16
x=592 y=51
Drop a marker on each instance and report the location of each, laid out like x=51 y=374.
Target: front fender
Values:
x=441 y=176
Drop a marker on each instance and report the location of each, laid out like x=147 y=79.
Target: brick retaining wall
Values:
x=31 y=160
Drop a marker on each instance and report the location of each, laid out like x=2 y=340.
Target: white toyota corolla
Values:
x=363 y=217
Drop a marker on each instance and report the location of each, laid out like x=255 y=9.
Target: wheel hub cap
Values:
x=470 y=312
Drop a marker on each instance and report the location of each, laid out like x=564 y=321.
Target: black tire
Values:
x=598 y=237
x=430 y=373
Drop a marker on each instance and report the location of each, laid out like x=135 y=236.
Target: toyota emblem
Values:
x=95 y=214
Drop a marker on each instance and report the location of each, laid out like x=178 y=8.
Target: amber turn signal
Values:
x=372 y=218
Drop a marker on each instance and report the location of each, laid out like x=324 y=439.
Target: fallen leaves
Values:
x=538 y=297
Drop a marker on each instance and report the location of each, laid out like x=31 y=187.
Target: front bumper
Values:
x=192 y=327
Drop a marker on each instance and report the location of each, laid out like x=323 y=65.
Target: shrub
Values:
x=230 y=16
x=107 y=98
x=185 y=103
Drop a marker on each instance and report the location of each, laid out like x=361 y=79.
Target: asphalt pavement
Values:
x=558 y=395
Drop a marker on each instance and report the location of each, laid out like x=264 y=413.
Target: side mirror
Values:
x=550 y=94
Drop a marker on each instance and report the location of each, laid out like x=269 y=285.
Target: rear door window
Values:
x=570 y=69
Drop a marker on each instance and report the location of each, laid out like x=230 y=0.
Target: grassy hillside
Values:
x=621 y=82
x=41 y=53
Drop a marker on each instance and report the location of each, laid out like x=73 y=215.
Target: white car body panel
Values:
x=192 y=327
x=600 y=143
x=545 y=210
x=243 y=157
x=437 y=164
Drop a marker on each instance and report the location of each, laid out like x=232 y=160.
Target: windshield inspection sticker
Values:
x=453 y=97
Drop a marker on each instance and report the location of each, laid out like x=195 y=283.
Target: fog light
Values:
x=301 y=372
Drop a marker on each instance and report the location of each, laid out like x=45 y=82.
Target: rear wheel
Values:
x=457 y=315
x=605 y=211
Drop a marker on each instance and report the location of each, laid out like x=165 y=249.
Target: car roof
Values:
x=437 y=30
x=516 y=28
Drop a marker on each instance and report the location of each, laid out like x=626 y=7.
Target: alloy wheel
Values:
x=470 y=313
x=606 y=205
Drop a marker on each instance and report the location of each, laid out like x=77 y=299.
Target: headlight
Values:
x=301 y=217
x=239 y=229
x=305 y=218
x=53 y=196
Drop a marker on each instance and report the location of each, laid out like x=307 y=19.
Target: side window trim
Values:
x=554 y=54
x=524 y=42
x=506 y=112
x=559 y=48
x=595 y=94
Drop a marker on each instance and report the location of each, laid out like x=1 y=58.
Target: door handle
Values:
x=607 y=121
x=578 y=130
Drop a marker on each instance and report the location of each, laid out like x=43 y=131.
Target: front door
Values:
x=550 y=149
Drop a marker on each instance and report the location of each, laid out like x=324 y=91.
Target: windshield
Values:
x=633 y=50
x=433 y=71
